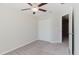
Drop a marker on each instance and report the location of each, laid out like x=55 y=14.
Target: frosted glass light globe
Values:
x=35 y=9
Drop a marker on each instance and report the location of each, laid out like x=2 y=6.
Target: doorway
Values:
x=65 y=29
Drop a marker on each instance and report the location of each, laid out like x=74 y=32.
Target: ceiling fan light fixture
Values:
x=35 y=9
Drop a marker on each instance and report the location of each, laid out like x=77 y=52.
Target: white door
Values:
x=71 y=32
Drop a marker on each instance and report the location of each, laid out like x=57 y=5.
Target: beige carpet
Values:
x=42 y=48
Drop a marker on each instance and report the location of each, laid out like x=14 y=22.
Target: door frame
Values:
x=71 y=14
x=73 y=32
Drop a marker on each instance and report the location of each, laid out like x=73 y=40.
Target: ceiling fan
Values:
x=35 y=7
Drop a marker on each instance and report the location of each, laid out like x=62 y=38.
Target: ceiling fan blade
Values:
x=29 y=4
x=42 y=4
x=43 y=10
x=25 y=9
x=33 y=12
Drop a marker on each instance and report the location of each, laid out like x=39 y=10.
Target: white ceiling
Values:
x=52 y=8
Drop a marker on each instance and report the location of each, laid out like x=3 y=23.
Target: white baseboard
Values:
x=17 y=47
x=53 y=41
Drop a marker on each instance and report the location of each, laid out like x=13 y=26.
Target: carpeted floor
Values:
x=42 y=48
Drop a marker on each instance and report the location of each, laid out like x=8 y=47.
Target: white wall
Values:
x=56 y=28
x=16 y=28
x=45 y=30
x=49 y=28
x=76 y=28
